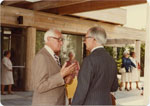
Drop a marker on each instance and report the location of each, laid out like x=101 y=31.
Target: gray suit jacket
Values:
x=96 y=79
x=49 y=86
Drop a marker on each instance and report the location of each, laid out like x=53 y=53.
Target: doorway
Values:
x=13 y=39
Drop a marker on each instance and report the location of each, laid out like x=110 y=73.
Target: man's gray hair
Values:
x=50 y=32
x=99 y=34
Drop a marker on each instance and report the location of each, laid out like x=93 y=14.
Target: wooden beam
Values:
x=17 y=3
x=115 y=45
x=43 y=5
x=80 y=26
x=11 y=3
x=114 y=15
x=93 y=5
x=120 y=41
x=44 y=21
x=11 y=14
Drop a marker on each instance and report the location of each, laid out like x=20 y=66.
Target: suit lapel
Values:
x=51 y=58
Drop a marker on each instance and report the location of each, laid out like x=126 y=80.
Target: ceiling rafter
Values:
x=92 y=5
x=12 y=3
x=43 y=5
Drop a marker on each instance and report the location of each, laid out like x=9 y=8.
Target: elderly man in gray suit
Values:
x=98 y=74
x=48 y=76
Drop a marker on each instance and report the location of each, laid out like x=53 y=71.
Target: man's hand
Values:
x=67 y=70
x=69 y=79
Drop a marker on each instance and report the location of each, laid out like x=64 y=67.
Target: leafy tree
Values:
x=110 y=50
x=39 y=40
x=142 y=58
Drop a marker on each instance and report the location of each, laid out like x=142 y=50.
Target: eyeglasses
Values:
x=87 y=38
x=58 y=39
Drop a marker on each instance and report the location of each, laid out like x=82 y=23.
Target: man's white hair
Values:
x=50 y=32
x=99 y=34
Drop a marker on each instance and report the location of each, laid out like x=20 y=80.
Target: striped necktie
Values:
x=57 y=59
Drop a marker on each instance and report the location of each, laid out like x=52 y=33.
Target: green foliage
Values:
x=110 y=50
x=142 y=58
x=119 y=56
x=39 y=40
x=131 y=48
x=120 y=51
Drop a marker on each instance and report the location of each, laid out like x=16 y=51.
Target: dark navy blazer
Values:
x=127 y=63
x=96 y=79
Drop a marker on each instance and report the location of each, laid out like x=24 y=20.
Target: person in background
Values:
x=126 y=76
x=135 y=71
x=71 y=80
x=7 y=73
x=98 y=74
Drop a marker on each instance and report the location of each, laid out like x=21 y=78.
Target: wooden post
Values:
x=138 y=50
x=147 y=60
x=30 y=53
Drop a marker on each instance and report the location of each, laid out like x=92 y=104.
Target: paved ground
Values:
x=132 y=97
x=18 y=99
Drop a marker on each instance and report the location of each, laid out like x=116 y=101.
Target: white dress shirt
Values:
x=97 y=48
x=50 y=51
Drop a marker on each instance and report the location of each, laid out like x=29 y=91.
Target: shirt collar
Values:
x=50 y=51
x=97 y=48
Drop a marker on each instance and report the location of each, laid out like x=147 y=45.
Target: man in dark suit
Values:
x=98 y=74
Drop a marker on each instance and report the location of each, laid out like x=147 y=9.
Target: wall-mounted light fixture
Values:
x=20 y=19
